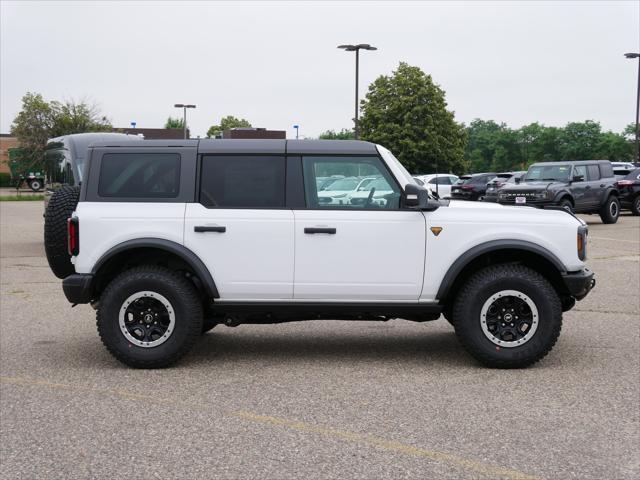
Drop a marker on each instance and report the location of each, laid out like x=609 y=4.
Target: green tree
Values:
x=174 y=123
x=407 y=113
x=343 y=134
x=227 y=123
x=580 y=140
x=39 y=120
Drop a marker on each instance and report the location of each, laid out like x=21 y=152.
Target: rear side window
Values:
x=593 y=172
x=242 y=182
x=140 y=175
x=606 y=170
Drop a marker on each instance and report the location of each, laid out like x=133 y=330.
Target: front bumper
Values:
x=78 y=288
x=579 y=284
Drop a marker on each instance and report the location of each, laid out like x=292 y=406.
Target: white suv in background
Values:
x=439 y=183
x=171 y=238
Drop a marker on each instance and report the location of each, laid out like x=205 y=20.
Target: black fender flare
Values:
x=181 y=251
x=494 y=245
x=561 y=194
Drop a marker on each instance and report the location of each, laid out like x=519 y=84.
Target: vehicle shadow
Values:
x=222 y=346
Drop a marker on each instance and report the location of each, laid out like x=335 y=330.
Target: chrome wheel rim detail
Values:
x=509 y=318
x=613 y=209
x=146 y=319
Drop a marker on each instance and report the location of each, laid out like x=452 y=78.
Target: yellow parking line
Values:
x=387 y=445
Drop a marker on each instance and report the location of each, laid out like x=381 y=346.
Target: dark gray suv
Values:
x=581 y=186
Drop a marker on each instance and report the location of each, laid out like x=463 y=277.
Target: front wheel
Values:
x=35 y=185
x=507 y=316
x=149 y=317
x=610 y=211
x=566 y=204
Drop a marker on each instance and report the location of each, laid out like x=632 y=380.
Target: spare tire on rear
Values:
x=61 y=206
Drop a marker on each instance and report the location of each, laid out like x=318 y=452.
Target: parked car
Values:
x=170 y=239
x=471 y=187
x=629 y=188
x=323 y=182
x=439 y=183
x=580 y=186
x=337 y=192
x=491 y=194
x=623 y=166
x=377 y=193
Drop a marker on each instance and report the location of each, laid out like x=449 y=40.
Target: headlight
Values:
x=583 y=230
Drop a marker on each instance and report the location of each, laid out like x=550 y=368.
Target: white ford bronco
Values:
x=171 y=238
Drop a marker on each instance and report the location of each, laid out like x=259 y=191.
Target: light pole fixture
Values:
x=631 y=56
x=184 y=117
x=296 y=127
x=357 y=48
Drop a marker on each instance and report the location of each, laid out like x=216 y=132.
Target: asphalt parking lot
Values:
x=316 y=399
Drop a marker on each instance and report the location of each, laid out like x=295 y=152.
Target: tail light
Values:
x=624 y=183
x=468 y=187
x=73 y=236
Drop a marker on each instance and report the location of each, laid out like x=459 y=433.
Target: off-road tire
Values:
x=479 y=288
x=566 y=204
x=635 y=206
x=35 y=185
x=610 y=210
x=184 y=299
x=61 y=206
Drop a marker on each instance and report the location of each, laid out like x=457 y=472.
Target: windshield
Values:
x=559 y=173
x=344 y=185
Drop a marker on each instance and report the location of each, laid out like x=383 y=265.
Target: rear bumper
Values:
x=78 y=288
x=579 y=284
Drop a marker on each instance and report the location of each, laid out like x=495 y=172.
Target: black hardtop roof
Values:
x=570 y=162
x=253 y=146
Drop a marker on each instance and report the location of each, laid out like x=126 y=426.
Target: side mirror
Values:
x=417 y=197
x=578 y=178
x=518 y=179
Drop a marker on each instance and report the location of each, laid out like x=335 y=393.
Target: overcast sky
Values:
x=276 y=64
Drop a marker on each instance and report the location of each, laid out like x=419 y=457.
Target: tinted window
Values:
x=635 y=175
x=580 y=170
x=548 y=173
x=365 y=183
x=242 y=182
x=593 y=172
x=606 y=170
x=139 y=175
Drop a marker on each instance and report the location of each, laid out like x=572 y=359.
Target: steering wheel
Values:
x=368 y=202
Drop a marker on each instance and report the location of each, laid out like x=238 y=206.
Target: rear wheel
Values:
x=60 y=207
x=635 y=206
x=507 y=316
x=149 y=317
x=610 y=211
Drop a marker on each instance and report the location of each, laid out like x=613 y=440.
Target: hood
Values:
x=529 y=186
x=494 y=212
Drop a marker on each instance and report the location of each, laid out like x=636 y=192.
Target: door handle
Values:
x=204 y=228
x=312 y=230
x=588 y=187
x=602 y=185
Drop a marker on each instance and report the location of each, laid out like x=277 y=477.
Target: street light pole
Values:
x=357 y=48
x=184 y=116
x=632 y=56
x=297 y=130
